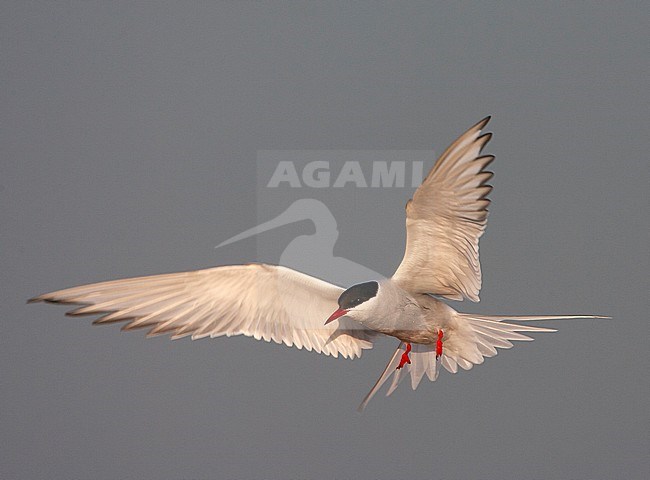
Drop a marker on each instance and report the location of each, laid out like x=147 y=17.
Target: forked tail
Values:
x=467 y=342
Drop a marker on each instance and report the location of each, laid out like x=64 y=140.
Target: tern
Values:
x=444 y=221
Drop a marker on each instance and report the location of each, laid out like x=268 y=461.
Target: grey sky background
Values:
x=129 y=143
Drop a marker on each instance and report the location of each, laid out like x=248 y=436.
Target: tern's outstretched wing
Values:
x=445 y=219
x=262 y=301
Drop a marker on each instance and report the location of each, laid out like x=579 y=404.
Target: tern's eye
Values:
x=357 y=301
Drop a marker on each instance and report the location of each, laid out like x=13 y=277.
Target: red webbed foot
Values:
x=439 y=344
x=405 y=357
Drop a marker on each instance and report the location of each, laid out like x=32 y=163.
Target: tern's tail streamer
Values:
x=423 y=360
x=467 y=343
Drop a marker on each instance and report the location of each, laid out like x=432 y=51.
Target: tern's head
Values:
x=356 y=302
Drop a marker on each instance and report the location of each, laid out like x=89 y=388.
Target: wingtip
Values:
x=480 y=125
x=46 y=297
x=485 y=138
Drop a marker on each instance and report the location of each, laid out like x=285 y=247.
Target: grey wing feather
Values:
x=261 y=301
x=445 y=219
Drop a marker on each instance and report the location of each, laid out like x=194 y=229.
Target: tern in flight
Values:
x=444 y=221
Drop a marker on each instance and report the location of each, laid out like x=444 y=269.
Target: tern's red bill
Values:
x=339 y=313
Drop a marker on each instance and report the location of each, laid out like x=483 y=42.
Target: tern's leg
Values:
x=439 y=344
x=405 y=357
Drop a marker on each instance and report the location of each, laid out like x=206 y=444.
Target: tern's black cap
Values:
x=358 y=294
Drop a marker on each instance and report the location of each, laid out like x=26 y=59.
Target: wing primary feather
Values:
x=265 y=302
x=445 y=219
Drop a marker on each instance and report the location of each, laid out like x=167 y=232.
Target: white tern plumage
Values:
x=444 y=221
